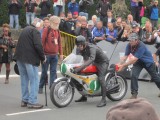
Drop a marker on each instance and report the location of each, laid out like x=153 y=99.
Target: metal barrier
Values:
x=68 y=43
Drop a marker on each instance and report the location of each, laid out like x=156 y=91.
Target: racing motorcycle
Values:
x=86 y=83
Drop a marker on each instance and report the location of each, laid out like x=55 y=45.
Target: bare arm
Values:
x=131 y=61
x=155 y=59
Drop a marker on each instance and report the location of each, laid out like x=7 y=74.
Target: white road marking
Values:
x=15 y=76
x=26 y=112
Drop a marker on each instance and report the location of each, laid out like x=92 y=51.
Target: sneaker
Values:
x=6 y=81
x=23 y=104
x=40 y=91
x=134 y=96
x=81 y=99
x=34 y=106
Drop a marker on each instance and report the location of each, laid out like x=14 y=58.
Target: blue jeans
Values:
x=137 y=68
x=52 y=60
x=58 y=9
x=28 y=76
x=14 y=18
x=30 y=17
x=83 y=14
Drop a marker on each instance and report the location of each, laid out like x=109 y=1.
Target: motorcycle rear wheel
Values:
x=59 y=97
x=123 y=86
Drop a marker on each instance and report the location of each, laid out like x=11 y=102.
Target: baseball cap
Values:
x=75 y=13
x=133 y=36
x=135 y=24
x=133 y=109
x=155 y=0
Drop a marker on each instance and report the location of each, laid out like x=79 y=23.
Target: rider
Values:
x=93 y=54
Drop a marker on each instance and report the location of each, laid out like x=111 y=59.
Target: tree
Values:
x=120 y=9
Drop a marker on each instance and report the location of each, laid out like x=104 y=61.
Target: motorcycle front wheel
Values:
x=61 y=93
x=123 y=86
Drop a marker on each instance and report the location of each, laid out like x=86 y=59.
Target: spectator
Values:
x=83 y=18
x=157 y=62
x=118 y=27
x=69 y=24
x=129 y=19
x=141 y=10
x=108 y=18
x=94 y=19
x=75 y=16
x=61 y=25
x=90 y=25
x=102 y=7
x=30 y=10
x=6 y=52
x=29 y=53
x=148 y=8
x=83 y=6
x=146 y=35
x=73 y=6
x=156 y=38
x=136 y=28
x=99 y=32
x=126 y=32
x=154 y=14
x=84 y=31
x=58 y=7
x=78 y=24
x=14 y=9
x=127 y=110
x=46 y=22
x=111 y=33
x=52 y=45
x=45 y=6
x=134 y=10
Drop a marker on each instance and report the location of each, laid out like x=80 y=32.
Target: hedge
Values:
x=4 y=17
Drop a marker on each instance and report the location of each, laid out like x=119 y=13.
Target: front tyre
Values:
x=61 y=93
x=123 y=86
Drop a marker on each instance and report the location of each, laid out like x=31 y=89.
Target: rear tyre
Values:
x=123 y=86
x=61 y=93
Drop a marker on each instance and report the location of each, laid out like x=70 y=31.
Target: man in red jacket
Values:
x=52 y=45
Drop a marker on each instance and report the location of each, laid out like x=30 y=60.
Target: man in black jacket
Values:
x=102 y=7
x=14 y=7
x=93 y=54
x=45 y=6
x=84 y=31
x=29 y=53
x=83 y=5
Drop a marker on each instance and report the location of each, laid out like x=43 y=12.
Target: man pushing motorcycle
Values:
x=92 y=54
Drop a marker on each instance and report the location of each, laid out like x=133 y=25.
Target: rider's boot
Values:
x=82 y=99
x=103 y=91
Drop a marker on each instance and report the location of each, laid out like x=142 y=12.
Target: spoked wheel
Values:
x=121 y=83
x=61 y=93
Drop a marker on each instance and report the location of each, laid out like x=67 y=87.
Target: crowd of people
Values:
x=30 y=52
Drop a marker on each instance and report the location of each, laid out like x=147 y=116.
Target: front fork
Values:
x=68 y=82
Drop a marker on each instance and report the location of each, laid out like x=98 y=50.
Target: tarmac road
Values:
x=10 y=103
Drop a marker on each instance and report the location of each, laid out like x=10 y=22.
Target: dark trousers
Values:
x=102 y=70
x=137 y=68
x=135 y=13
